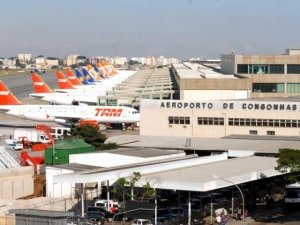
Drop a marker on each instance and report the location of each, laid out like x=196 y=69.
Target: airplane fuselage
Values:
x=60 y=113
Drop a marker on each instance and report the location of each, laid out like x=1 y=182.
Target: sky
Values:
x=136 y=28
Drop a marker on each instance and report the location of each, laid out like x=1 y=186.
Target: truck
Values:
x=31 y=136
x=112 y=205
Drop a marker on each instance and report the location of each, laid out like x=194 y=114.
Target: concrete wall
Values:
x=16 y=182
x=191 y=95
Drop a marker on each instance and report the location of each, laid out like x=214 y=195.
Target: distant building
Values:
x=71 y=60
x=9 y=63
x=52 y=61
x=25 y=58
x=40 y=61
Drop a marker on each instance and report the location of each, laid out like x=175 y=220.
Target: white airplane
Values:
x=66 y=114
x=43 y=92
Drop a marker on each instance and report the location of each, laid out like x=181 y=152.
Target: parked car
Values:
x=141 y=222
x=95 y=217
x=103 y=212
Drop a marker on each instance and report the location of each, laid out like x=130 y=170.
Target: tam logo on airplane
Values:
x=108 y=112
x=38 y=83
x=4 y=92
x=62 y=80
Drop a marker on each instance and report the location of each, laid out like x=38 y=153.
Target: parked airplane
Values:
x=43 y=92
x=101 y=87
x=66 y=114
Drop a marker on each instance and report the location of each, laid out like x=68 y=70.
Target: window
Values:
x=258 y=69
x=253 y=132
x=210 y=121
x=179 y=120
x=293 y=88
x=268 y=87
x=293 y=69
x=270 y=132
x=277 y=68
x=242 y=68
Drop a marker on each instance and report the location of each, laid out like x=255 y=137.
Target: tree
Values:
x=92 y=135
x=289 y=162
x=126 y=189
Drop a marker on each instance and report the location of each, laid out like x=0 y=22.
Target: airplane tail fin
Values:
x=39 y=85
x=63 y=82
x=93 y=72
x=88 y=76
x=81 y=77
x=72 y=78
x=98 y=71
x=6 y=97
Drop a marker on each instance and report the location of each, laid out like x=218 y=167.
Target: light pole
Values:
x=243 y=206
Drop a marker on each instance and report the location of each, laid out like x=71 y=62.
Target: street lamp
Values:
x=243 y=200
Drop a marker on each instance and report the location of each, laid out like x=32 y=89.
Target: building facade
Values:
x=270 y=75
x=219 y=118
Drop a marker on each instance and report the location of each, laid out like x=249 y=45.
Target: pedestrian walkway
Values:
x=231 y=221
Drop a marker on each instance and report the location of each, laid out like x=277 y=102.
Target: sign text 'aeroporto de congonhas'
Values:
x=239 y=105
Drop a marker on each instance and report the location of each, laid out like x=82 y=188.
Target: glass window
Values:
x=187 y=120
x=248 y=122
x=221 y=121
x=253 y=122
x=200 y=120
x=282 y=123
x=258 y=69
x=236 y=122
x=242 y=68
x=230 y=121
x=277 y=68
x=253 y=132
x=181 y=120
x=293 y=68
x=270 y=132
x=293 y=88
x=176 y=120
x=259 y=122
x=242 y=121
x=265 y=122
x=268 y=87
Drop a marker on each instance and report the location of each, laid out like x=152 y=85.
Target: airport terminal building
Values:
x=270 y=75
x=247 y=95
x=219 y=118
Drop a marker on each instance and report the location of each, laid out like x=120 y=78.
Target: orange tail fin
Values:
x=63 y=82
x=6 y=97
x=72 y=78
x=39 y=85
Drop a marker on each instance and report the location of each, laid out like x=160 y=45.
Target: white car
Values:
x=141 y=222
